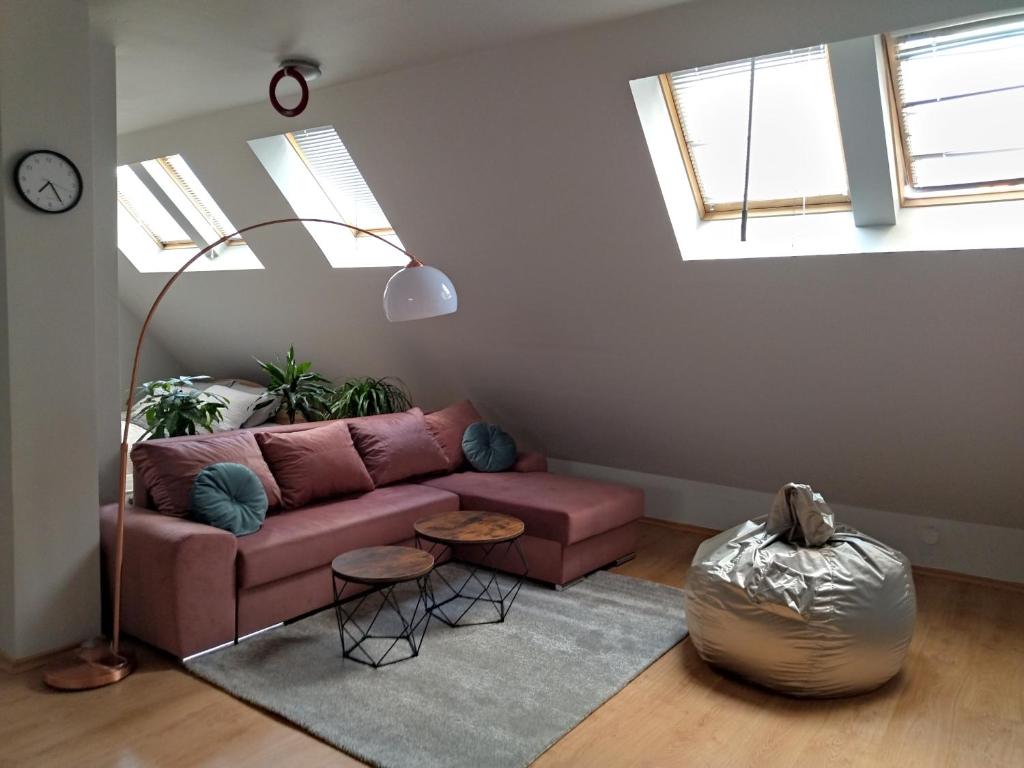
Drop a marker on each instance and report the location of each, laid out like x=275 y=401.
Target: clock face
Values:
x=48 y=181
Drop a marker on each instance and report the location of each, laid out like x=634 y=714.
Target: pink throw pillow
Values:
x=395 y=446
x=169 y=466
x=448 y=426
x=314 y=464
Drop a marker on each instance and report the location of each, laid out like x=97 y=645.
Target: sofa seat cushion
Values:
x=302 y=539
x=555 y=507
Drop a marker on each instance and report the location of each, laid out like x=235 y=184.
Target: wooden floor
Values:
x=959 y=701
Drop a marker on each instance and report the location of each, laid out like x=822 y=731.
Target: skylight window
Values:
x=796 y=153
x=138 y=202
x=335 y=171
x=317 y=175
x=959 y=92
x=165 y=215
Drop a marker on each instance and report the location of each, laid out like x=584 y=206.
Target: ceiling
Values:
x=188 y=57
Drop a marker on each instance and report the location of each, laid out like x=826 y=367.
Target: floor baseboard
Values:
x=957 y=546
x=14 y=666
x=920 y=570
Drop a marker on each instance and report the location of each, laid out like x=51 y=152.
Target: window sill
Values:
x=967 y=227
x=236 y=257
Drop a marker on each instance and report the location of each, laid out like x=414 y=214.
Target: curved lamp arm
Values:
x=123 y=471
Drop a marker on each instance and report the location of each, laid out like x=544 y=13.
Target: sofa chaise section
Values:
x=573 y=525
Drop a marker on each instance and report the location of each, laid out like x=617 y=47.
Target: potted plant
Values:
x=174 y=407
x=302 y=392
x=368 y=397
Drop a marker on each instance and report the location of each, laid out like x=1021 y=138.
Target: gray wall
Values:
x=104 y=188
x=6 y=494
x=890 y=381
x=157 y=361
x=51 y=369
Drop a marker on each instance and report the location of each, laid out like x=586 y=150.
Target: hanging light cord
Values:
x=746 y=172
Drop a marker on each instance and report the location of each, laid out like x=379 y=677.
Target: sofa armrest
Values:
x=178 y=591
x=531 y=461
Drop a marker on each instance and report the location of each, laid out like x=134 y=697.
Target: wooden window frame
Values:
x=949 y=195
x=163 y=245
x=782 y=207
x=169 y=169
x=172 y=245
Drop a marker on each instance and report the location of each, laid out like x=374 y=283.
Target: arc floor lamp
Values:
x=414 y=292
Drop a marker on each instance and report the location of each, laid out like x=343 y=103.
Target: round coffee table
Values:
x=496 y=538
x=381 y=569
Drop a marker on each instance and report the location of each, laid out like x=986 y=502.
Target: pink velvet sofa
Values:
x=189 y=587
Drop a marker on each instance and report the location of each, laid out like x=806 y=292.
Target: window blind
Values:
x=182 y=175
x=143 y=206
x=960 y=90
x=336 y=172
x=796 y=148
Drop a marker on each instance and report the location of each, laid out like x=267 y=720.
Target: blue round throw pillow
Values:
x=488 y=448
x=230 y=497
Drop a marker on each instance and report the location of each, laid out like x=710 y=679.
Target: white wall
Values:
x=887 y=381
x=157 y=361
x=108 y=306
x=52 y=273
x=6 y=491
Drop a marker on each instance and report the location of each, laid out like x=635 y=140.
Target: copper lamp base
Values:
x=93 y=665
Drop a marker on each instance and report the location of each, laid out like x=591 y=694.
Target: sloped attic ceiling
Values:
x=188 y=57
x=889 y=381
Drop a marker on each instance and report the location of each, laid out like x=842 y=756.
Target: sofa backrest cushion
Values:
x=169 y=466
x=395 y=446
x=314 y=464
x=448 y=426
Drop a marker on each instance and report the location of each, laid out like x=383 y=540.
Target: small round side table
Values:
x=381 y=569
x=495 y=536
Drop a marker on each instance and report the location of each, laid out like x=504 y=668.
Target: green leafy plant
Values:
x=174 y=407
x=368 y=397
x=300 y=390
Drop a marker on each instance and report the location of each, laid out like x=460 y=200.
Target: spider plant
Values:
x=369 y=396
x=174 y=407
x=300 y=390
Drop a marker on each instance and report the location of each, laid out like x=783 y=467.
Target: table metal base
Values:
x=482 y=584
x=379 y=649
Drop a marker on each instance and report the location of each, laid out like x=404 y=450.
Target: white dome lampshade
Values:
x=418 y=291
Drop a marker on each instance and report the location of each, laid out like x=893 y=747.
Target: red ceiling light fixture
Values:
x=301 y=71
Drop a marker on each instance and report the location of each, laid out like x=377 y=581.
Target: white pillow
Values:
x=262 y=414
x=239 y=408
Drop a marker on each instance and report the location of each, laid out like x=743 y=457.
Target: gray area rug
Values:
x=490 y=695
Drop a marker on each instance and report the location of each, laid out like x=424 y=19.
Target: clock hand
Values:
x=53 y=189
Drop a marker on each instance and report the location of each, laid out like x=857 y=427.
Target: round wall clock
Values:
x=48 y=181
